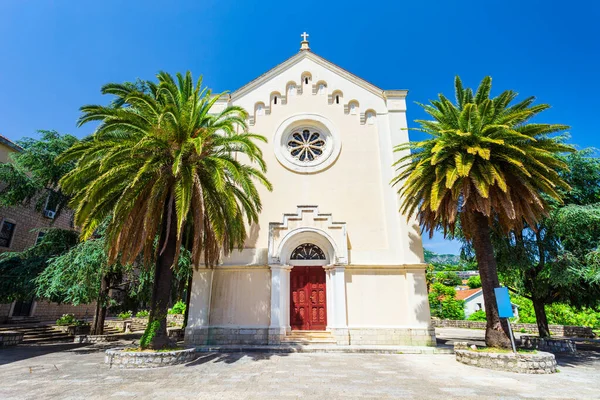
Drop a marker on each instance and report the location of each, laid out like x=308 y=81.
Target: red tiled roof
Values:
x=465 y=294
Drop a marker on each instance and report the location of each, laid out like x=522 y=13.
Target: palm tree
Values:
x=167 y=172
x=484 y=162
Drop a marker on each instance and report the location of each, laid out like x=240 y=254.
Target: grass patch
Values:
x=504 y=351
x=140 y=350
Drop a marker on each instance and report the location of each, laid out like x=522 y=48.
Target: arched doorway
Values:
x=308 y=288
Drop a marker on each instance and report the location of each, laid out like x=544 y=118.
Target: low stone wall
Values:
x=556 y=330
x=94 y=338
x=534 y=363
x=74 y=329
x=175 y=333
x=551 y=345
x=149 y=359
x=176 y=319
x=9 y=338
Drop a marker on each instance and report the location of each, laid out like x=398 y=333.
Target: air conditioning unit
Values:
x=49 y=214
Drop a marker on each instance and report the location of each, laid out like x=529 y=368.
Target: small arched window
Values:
x=275 y=100
x=337 y=99
x=307 y=251
x=306 y=80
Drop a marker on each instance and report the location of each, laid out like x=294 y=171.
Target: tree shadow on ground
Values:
x=22 y=352
x=230 y=358
x=586 y=356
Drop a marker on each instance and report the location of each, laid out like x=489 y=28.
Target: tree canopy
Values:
x=33 y=174
x=484 y=161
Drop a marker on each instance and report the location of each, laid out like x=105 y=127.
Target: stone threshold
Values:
x=317 y=348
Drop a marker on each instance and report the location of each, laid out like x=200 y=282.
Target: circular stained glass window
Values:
x=306 y=145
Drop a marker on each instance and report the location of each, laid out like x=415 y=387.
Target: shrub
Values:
x=142 y=314
x=444 y=304
x=69 y=319
x=474 y=282
x=66 y=319
x=448 y=278
x=178 y=308
x=125 y=315
x=478 y=315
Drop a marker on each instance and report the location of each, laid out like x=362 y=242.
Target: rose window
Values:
x=306 y=146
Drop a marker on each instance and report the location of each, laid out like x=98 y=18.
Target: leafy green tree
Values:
x=33 y=174
x=554 y=260
x=448 y=278
x=164 y=167
x=80 y=276
x=18 y=270
x=484 y=162
x=443 y=302
x=474 y=282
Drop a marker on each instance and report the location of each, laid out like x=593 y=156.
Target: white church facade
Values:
x=331 y=251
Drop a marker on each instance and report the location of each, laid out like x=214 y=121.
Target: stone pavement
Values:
x=73 y=371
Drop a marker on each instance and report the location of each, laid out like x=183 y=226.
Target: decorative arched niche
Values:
x=336 y=97
x=308 y=227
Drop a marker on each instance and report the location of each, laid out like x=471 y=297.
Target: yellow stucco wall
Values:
x=240 y=297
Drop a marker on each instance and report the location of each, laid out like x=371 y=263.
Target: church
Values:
x=331 y=256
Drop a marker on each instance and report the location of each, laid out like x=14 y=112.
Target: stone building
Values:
x=331 y=251
x=19 y=230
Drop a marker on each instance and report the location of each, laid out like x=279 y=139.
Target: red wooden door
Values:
x=308 y=305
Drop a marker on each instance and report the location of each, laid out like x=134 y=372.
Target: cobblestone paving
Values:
x=75 y=372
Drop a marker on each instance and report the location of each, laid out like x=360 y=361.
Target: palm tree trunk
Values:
x=156 y=331
x=495 y=334
x=540 y=317
x=188 y=298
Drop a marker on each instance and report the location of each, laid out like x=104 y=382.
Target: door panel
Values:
x=308 y=306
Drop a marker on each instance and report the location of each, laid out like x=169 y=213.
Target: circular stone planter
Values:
x=148 y=359
x=524 y=363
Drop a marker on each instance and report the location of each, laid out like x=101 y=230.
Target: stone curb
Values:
x=133 y=359
x=324 y=349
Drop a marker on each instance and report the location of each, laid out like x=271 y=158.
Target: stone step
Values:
x=309 y=338
x=307 y=341
x=310 y=334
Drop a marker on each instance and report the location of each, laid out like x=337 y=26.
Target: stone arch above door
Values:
x=307 y=225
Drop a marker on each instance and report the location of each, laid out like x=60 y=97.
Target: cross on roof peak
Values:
x=304 y=43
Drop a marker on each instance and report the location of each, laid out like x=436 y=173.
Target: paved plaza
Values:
x=69 y=371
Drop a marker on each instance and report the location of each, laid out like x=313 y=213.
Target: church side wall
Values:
x=239 y=301
x=387 y=306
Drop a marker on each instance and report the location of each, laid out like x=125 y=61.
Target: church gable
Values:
x=307 y=74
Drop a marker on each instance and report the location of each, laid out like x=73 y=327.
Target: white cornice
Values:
x=318 y=60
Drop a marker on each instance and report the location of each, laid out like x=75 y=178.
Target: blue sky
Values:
x=55 y=55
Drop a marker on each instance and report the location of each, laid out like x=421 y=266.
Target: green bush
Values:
x=443 y=303
x=66 y=319
x=474 y=282
x=125 y=315
x=69 y=319
x=478 y=315
x=142 y=314
x=178 y=308
x=558 y=313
